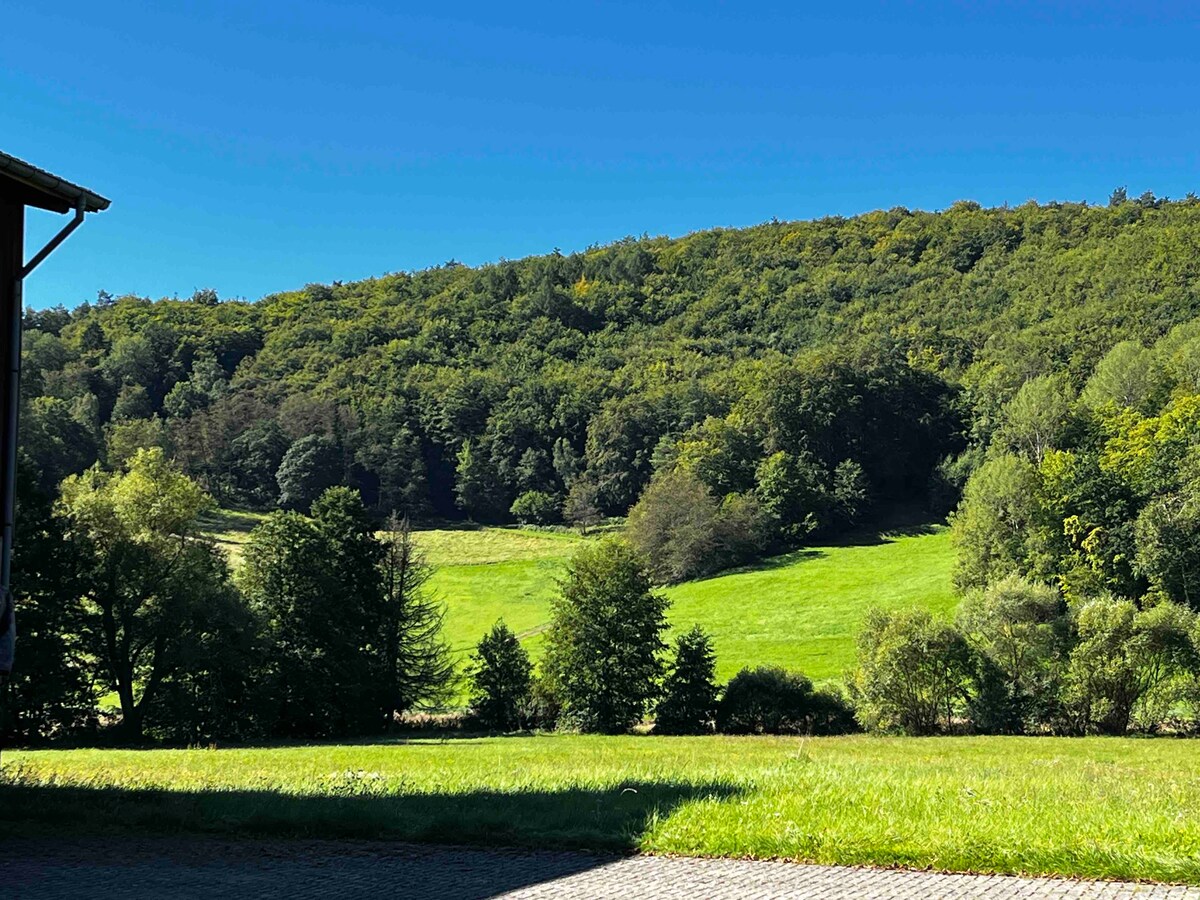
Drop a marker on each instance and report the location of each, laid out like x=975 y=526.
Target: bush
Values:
x=689 y=701
x=542 y=709
x=914 y=673
x=1129 y=664
x=684 y=533
x=771 y=700
x=604 y=647
x=537 y=508
x=675 y=526
x=501 y=680
x=1020 y=631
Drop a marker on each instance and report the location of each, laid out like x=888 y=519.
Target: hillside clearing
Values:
x=800 y=610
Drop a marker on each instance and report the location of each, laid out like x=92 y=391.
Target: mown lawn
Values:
x=1094 y=807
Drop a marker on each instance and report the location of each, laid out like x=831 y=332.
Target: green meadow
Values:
x=485 y=574
x=800 y=610
x=1089 y=807
x=803 y=610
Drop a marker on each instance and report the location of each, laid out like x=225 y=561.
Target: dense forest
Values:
x=875 y=347
x=1032 y=371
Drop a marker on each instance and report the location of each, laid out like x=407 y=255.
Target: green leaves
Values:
x=604 y=646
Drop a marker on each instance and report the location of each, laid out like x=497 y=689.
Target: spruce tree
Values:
x=689 y=701
x=501 y=679
x=415 y=659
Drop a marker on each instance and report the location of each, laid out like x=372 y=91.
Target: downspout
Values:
x=41 y=255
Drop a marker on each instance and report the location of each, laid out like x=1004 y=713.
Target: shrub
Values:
x=742 y=530
x=604 y=647
x=684 y=533
x=536 y=508
x=1020 y=631
x=689 y=701
x=542 y=709
x=501 y=680
x=1129 y=663
x=675 y=526
x=914 y=673
x=771 y=700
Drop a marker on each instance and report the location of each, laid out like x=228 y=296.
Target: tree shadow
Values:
x=226 y=520
x=875 y=537
x=783 y=560
x=181 y=867
x=71 y=840
x=867 y=538
x=359 y=806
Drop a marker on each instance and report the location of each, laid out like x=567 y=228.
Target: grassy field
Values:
x=485 y=574
x=800 y=610
x=803 y=610
x=1092 y=807
x=230 y=529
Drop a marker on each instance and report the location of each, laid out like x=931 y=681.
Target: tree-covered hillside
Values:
x=816 y=369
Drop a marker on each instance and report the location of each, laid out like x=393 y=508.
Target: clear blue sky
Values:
x=255 y=147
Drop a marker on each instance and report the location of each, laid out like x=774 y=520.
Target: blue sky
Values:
x=256 y=147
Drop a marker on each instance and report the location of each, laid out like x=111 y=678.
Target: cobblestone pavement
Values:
x=181 y=868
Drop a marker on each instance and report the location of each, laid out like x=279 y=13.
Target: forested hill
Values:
x=817 y=367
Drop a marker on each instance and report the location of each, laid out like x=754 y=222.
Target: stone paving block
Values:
x=185 y=868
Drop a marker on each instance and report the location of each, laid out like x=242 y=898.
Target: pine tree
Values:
x=415 y=659
x=689 y=700
x=501 y=679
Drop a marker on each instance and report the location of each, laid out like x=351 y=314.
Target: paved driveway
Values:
x=182 y=868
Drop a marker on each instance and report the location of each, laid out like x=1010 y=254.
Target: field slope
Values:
x=800 y=610
x=485 y=574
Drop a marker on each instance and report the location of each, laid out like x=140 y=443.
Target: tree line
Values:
x=326 y=628
x=734 y=393
x=821 y=370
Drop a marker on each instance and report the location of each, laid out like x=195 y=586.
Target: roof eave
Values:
x=60 y=195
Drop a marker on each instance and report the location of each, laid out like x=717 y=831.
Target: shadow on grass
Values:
x=224 y=520
x=73 y=841
x=875 y=538
x=872 y=538
x=355 y=806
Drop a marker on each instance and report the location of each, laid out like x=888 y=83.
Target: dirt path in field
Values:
x=182 y=868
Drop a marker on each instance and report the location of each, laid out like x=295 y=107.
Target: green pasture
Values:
x=1090 y=807
x=485 y=574
x=801 y=610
